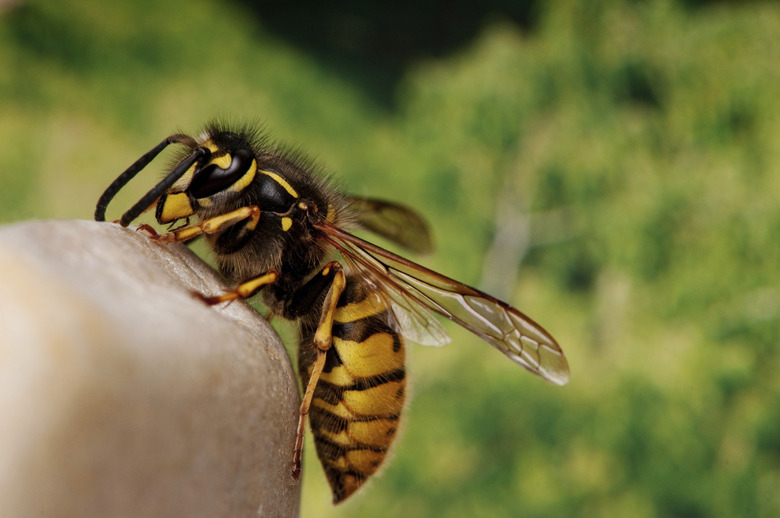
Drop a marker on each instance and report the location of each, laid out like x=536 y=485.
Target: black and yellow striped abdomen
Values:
x=359 y=397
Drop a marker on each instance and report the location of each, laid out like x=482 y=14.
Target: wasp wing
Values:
x=412 y=320
x=407 y=228
x=499 y=324
x=393 y=221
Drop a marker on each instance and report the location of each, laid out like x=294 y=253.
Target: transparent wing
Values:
x=412 y=320
x=499 y=324
x=393 y=221
x=419 y=325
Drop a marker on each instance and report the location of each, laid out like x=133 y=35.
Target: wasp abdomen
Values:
x=360 y=394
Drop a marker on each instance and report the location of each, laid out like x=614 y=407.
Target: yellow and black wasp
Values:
x=279 y=228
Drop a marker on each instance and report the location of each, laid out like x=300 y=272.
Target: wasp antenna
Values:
x=151 y=196
x=138 y=165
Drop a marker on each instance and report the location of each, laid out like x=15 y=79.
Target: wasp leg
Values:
x=171 y=227
x=323 y=339
x=242 y=291
x=249 y=214
x=145 y=227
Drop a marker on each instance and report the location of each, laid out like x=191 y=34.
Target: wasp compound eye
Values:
x=213 y=179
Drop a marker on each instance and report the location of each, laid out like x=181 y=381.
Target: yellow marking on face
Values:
x=245 y=180
x=210 y=145
x=205 y=202
x=175 y=206
x=223 y=162
x=376 y=401
x=281 y=181
x=372 y=356
x=183 y=182
x=286 y=223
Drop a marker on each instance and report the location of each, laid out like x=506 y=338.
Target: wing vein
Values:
x=502 y=326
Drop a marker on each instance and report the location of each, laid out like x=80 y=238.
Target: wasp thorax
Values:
x=275 y=193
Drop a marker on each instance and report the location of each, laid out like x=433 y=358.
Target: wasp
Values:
x=279 y=228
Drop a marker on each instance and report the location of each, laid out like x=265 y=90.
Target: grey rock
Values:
x=123 y=395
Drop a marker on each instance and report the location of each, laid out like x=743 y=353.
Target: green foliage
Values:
x=639 y=139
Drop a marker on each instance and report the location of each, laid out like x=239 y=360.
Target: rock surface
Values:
x=122 y=395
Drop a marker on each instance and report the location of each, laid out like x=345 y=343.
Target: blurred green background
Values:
x=609 y=167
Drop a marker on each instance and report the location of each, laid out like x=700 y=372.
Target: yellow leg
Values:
x=319 y=363
x=209 y=226
x=243 y=290
x=323 y=339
